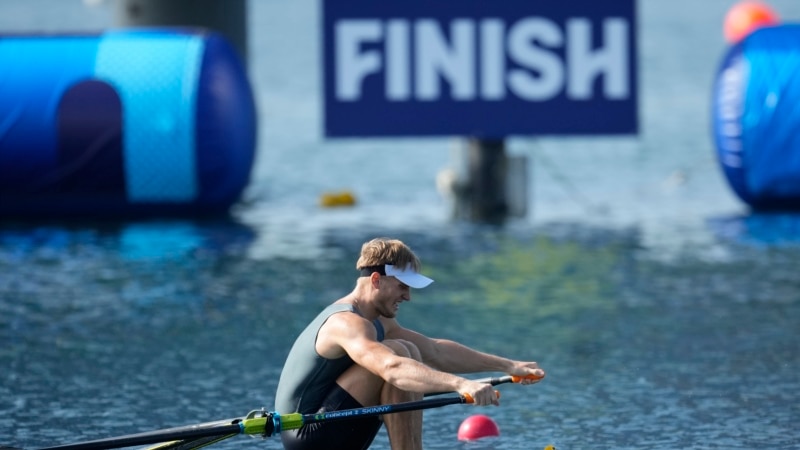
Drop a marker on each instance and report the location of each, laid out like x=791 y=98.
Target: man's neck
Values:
x=362 y=306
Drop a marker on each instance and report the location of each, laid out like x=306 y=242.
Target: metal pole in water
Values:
x=485 y=184
x=487 y=180
x=228 y=17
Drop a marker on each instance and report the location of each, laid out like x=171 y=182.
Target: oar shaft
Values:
x=154 y=437
x=381 y=409
x=252 y=426
x=294 y=421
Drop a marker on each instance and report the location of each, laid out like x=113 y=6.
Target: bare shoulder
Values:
x=341 y=331
x=346 y=323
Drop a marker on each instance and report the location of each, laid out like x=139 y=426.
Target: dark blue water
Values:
x=665 y=313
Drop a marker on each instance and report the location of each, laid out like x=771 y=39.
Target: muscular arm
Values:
x=357 y=337
x=450 y=356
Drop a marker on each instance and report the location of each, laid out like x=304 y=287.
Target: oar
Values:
x=193 y=444
x=256 y=423
x=261 y=422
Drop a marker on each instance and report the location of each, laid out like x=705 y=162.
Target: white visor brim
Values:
x=408 y=276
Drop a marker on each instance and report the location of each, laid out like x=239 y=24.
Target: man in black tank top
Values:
x=355 y=354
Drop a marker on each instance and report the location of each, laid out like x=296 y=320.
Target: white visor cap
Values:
x=408 y=276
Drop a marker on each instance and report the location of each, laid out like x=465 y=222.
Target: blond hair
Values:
x=380 y=251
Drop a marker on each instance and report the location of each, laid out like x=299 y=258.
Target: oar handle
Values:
x=468 y=398
x=518 y=379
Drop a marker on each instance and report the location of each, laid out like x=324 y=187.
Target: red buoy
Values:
x=477 y=427
x=745 y=17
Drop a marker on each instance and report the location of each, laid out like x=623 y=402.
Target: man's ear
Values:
x=375 y=280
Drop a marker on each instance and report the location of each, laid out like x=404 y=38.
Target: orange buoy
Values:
x=745 y=17
x=477 y=427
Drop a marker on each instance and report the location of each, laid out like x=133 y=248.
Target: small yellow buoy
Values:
x=336 y=199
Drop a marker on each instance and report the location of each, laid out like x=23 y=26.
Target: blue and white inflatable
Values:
x=136 y=122
x=756 y=118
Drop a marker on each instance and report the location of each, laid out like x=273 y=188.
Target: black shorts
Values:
x=347 y=434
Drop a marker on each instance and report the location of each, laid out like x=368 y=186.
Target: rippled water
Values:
x=146 y=326
x=665 y=314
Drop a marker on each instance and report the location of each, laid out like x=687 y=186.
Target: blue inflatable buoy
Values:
x=756 y=118
x=135 y=122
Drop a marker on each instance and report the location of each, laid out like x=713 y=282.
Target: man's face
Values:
x=391 y=293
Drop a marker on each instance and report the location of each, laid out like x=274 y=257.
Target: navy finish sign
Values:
x=479 y=68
